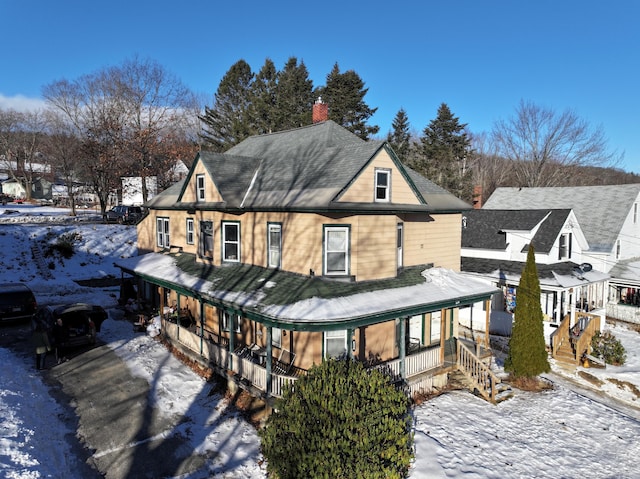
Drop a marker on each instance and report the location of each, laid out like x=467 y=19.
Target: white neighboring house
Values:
x=610 y=219
x=132 y=189
x=495 y=244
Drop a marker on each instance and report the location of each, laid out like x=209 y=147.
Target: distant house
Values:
x=495 y=244
x=609 y=217
x=307 y=244
x=41 y=189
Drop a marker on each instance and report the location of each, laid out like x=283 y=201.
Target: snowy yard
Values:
x=575 y=430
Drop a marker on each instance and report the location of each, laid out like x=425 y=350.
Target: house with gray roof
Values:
x=296 y=246
x=609 y=218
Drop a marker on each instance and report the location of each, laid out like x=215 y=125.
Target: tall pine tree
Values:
x=228 y=122
x=344 y=92
x=263 y=99
x=527 y=356
x=444 y=153
x=399 y=138
x=294 y=99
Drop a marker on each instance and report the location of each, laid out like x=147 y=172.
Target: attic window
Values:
x=200 y=188
x=564 y=246
x=383 y=185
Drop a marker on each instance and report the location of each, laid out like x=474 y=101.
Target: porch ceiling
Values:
x=298 y=302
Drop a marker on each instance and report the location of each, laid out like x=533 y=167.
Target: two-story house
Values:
x=495 y=244
x=305 y=244
x=610 y=219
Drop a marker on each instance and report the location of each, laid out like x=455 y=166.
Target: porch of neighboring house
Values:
x=571 y=342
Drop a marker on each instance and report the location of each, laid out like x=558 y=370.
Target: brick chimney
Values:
x=477 y=197
x=320 y=111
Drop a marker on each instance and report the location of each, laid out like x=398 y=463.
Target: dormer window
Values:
x=383 y=185
x=200 y=188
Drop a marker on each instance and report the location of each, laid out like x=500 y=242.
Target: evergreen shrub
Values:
x=608 y=348
x=340 y=420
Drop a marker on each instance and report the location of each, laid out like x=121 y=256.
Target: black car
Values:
x=81 y=321
x=17 y=302
x=123 y=214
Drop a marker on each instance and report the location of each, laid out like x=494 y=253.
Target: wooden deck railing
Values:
x=579 y=336
x=560 y=335
x=256 y=374
x=477 y=372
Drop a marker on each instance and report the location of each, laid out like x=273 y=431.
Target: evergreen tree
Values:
x=527 y=356
x=344 y=92
x=294 y=99
x=444 y=153
x=399 y=138
x=340 y=421
x=228 y=122
x=263 y=99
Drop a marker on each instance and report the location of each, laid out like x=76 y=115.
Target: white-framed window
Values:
x=336 y=250
x=162 y=232
x=335 y=344
x=399 y=243
x=274 y=244
x=200 y=196
x=205 y=240
x=276 y=337
x=564 y=246
x=189 y=233
x=230 y=320
x=231 y=242
x=382 y=185
x=618 y=248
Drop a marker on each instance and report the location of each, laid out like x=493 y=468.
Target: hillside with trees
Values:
x=136 y=119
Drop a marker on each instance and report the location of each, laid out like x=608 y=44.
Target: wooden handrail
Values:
x=583 y=342
x=477 y=372
x=560 y=335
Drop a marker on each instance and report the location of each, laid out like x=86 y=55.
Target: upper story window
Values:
x=635 y=213
x=383 y=185
x=162 y=232
x=199 y=187
x=618 y=249
x=231 y=242
x=205 y=241
x=189 y=232
x=564 y=246
x=336 y=250
x=274 y=246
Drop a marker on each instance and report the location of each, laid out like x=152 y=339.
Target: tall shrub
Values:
x=527 y=356
x=340 y=420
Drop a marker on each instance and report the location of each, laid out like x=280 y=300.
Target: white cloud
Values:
x=20 y=103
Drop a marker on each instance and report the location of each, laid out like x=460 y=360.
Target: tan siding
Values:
x=374 y=247
x=436 y=240
x=210 y=191
x=362 y=189
x=376 y=342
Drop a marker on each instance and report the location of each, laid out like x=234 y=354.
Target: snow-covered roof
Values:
x=267 y=294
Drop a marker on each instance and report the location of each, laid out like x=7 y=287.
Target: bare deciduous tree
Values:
x=21 y=137
x=160 y=113
x=544 y=146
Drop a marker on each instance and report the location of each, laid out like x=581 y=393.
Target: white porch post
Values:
x=402 y=351
x=558 y=314
x=269 y=359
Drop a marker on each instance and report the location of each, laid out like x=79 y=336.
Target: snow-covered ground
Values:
x=566 y=432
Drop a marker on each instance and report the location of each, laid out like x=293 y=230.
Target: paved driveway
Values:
x=116 y=422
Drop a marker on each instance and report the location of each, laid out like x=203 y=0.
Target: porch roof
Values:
x=296 y=302
x=558 y=276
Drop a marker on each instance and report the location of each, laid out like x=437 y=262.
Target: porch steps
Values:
x=566 y=354
x=457 y=380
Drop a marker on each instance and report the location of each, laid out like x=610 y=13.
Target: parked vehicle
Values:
x=16 y=302
x=4 y=199
x=81 y=321
x=123 y=214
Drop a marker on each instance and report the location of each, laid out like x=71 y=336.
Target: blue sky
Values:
x=479 y=57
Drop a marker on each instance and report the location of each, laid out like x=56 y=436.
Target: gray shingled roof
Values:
x=483 y=229
x=600 y=210
x=307 y=168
